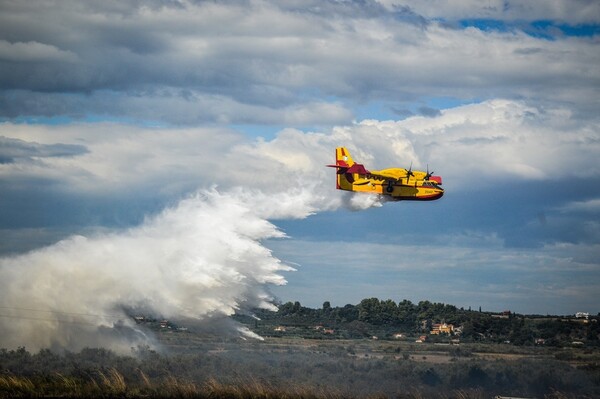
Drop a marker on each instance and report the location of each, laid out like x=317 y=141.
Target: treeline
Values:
x=385 y=318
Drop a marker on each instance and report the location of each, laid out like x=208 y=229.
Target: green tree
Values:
x=406 y=314
x=388 y=311
x=369 y=311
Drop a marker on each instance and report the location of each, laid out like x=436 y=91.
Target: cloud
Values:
x=589 y=206
x=276 y=63
x=573 y=12
x=430 y=112
x=122 y=157
x=493 y=142
x=170 y=106
x=12 y=149
x=506 y=138
x=33 y=52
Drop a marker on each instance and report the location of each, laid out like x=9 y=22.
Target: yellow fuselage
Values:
x=404 y=189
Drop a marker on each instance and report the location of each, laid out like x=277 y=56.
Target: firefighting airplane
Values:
x=397 y=183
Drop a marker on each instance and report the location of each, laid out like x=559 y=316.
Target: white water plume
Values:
x=202 y=259
x=361 y=201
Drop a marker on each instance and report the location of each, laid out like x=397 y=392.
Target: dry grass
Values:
x=11 y=386
x=111 y=384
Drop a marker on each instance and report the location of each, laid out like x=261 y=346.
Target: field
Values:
x=193 y=365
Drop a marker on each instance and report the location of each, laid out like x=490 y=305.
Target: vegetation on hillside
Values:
x=386 y=318
x=332 y=352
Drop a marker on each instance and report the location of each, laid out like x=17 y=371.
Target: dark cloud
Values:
x=12 y=150
x=429 y=112
x=528 y=51
x=277 y=55
x=482 y=140
x=402 y=112
x=37 y=213
x=21 y=240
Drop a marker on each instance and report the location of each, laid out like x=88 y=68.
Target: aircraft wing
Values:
x=390 y=174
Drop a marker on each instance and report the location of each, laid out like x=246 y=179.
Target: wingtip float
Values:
x=398 y=184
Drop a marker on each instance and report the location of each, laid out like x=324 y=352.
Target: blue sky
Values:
x=112 y=113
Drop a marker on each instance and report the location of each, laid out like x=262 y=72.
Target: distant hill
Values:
x=437 y=322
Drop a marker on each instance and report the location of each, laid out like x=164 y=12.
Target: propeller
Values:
x=409 y=173
x=428 y=175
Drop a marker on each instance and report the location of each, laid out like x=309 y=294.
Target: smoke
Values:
x=200 y=260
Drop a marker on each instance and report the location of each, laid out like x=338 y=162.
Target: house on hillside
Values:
x=504 y=315
x=442 y=328
x=165 y=324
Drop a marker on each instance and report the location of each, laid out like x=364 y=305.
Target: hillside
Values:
x=376 y=349
x=438 y=322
